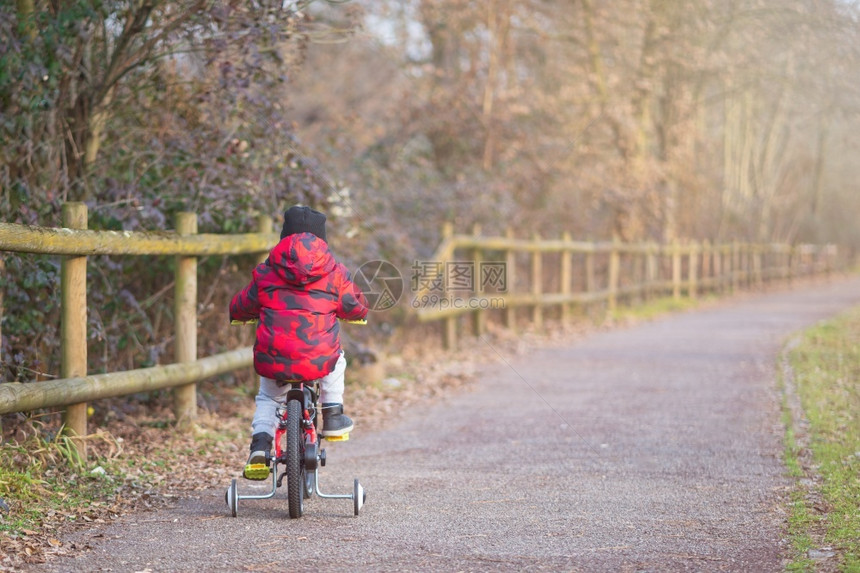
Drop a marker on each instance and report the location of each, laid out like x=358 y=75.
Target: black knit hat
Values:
x=303 y=220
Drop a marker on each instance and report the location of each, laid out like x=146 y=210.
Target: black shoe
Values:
x=335 y=422
x=257 y=467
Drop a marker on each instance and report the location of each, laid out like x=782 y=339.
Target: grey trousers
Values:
x=271 y=396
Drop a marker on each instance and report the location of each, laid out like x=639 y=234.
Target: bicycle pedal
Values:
x=341 y=438
x=256 y=471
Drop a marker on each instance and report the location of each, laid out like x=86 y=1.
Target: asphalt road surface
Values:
x=651 y=448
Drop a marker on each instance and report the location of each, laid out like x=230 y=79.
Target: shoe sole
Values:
x=256 y=472
x=336 y=433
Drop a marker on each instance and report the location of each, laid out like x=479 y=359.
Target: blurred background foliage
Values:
x=634 y=119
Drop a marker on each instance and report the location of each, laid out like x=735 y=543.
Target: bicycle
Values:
x=297 y=447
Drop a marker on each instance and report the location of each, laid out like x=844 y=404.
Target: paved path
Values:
x=653 y=448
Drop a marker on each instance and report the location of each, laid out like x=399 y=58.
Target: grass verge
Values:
x=138 y=464
x=824 y=505
x=658 y=307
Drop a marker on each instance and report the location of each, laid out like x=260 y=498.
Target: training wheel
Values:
x=358 y=496
x=232 y=497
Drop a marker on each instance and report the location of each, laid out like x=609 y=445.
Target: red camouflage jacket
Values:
x=298 y=294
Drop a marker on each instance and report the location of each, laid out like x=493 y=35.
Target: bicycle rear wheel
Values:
x=295 y=459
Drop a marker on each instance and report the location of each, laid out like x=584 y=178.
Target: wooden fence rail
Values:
x=18 y=397
x=608 y=272
x=75 y=242
x=25 y=239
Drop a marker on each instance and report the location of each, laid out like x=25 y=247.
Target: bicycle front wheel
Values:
x=295 y=459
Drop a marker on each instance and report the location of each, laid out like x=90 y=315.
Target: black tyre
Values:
x=295 y=459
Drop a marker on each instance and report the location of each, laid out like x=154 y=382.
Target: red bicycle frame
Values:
x=308 y=426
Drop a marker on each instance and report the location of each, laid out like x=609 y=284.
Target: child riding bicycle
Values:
x=297 y=296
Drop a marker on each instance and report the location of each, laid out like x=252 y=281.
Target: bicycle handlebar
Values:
x=255 y=321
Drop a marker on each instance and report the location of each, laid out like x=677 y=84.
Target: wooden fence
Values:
x=538 y=274
x=563 y=274
x=75 y=242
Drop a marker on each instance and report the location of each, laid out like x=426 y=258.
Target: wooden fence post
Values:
x=676 y=270
x=264 y=225
x=727 y=269
x=590 y=279
x=693 y=271
x=758 y=265
x=73 y=329
x=2 y=291
x=537 y=283
x=449 y=334
x=478 y=316
x=614 y=275
x=2 y=367
x=741 y=267
x=735 y=266
x=747 y=265
x=650 y=270
x=185 y=316
x=566 y=277
x=510 y=283
x=792 y=261
x=707 y=265
x=717 y=267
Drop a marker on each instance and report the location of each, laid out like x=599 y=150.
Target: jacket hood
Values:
x=301 y=259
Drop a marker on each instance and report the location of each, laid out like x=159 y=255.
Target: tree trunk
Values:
x=818 y=171
x=97 y=124
x=498 y=23
x=77 y=124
